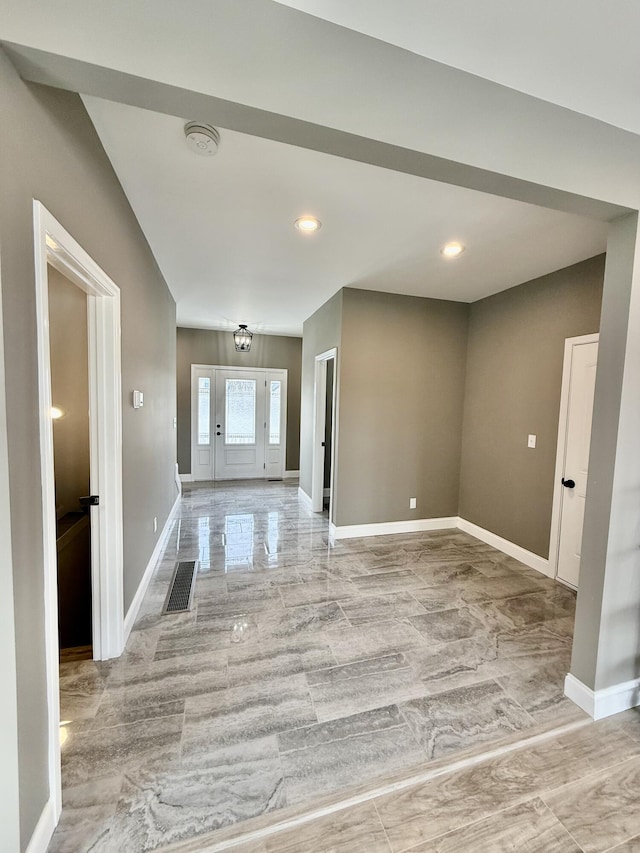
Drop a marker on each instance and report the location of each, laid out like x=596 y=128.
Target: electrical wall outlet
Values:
x=155 y=524
x=531 y=441
x=412 y=503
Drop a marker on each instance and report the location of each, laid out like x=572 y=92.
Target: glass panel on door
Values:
x=274 y=412
x=240 y=411
x=204 y=410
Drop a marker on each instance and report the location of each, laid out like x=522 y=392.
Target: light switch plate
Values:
x=412 y=503
x=532 y=441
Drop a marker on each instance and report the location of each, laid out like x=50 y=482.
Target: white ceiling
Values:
x=580 y=54
x=222 y=230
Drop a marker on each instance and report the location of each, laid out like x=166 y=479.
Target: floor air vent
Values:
x=181 y=588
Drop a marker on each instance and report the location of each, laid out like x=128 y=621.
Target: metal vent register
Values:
x=181 y=588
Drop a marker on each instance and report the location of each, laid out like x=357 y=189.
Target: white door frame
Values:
x=556 y=511
x=9 y=781
x=54 y=245
x=319 y=424
x=194 y=409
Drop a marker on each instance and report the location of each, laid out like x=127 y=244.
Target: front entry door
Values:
x=238 y=423
x=239 y=426
x=576 y=462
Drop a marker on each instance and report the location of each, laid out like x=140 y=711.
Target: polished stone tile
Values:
x=246 y=712
x=459 y=663
x=523 y=610
x=373 y=640
x=603 y=811
x=206 y=635
x=453 y=720
x=163 y=803
x=87 y=810
x=381 y=608
x=317 y=592
x=444 y=626
x=81 y=686
x=528 y=826
x=98 y=753
x=387 y=582
x=327 y=757
x=276 y=658
x=540 y=691
x=346 y=696
x=334 y=674
x=279 y=621
x=356 y=830
x=451 y=801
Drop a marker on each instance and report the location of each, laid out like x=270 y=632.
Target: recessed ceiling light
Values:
x=452 y=250
x=308 y=224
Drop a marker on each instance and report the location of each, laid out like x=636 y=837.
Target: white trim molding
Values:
x=304 y=499
x=530 y=559
x=186 y=478
x=54 y=245
x=387 y=528
x=291 y=475
x=134 y=607
x=44 y=830
x=603 y=703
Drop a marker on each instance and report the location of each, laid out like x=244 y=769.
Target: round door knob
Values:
x=568 y=484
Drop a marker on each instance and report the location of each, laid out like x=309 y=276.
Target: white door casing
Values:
x=54 y=245
x=572 y=463
x=319 y=424
x=238 y=422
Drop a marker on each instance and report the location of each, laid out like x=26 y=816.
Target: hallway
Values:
x=302 y=669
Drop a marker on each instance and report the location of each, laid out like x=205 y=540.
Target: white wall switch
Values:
x=412 y=503
x=532 y=441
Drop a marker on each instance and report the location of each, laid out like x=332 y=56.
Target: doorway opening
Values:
x=55 y=249
x=572 y=459
x=238 y=423
x=69 y=356
x=324 y=433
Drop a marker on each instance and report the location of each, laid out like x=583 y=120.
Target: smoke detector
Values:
x=202 y=138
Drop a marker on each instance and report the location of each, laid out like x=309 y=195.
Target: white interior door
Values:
x=202 y=419
x=576 y=459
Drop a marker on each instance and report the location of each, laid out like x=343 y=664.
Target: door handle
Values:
x=568 y=484
x=218 y=433
x=90 y=500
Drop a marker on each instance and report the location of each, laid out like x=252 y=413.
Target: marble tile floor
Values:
x=572 y=789
x=303 y=668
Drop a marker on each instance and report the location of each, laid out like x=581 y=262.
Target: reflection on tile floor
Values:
x=302 y=669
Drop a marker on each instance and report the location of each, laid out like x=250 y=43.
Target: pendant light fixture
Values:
x=242 y=339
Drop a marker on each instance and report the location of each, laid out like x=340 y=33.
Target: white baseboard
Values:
x=510 y=548
x=44 y=830
x=178 y=481
x=291 y=475
x=305 y=499
x=387 y=528
x=186 y=478
x=603 y=703
x=135 y=605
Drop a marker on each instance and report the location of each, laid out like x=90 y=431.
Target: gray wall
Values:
x=204 y=346
x=64 y=166
x=514 y=377
x=68 y=343
x=401 y=387
x=321 y=332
